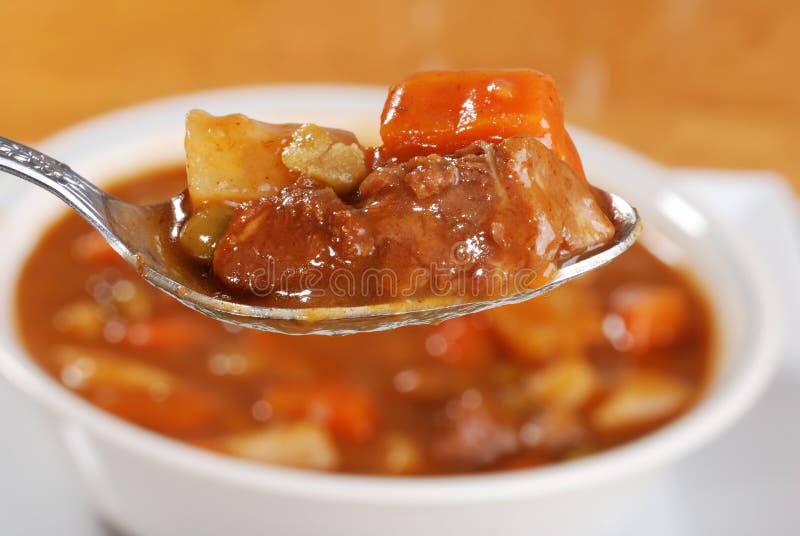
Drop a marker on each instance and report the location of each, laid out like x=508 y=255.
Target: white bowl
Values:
x=146 y=484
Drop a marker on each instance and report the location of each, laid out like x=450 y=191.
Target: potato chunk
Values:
x=564 y=322
x=234 y=158
x=642 y=399
x=85 y=368
x=554 y=429
x=83 y=319
x=315 y=153
x=401 y=455
x=565 y=383
x=143 y=394
x=302 y=444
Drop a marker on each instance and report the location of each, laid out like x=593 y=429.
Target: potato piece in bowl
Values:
x=233 y=158
x=562 y=323
x=566 y=383
x=642 y=398
x=301 y=444
x=147 y=395
x=316 y=153
x=83 y=368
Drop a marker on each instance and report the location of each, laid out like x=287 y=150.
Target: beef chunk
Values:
x=489 y=219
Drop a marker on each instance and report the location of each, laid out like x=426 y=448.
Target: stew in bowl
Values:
x=600 y=362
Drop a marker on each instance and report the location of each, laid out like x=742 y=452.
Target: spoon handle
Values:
x=55 y=177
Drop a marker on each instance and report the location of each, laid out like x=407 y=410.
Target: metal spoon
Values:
x=136 y=232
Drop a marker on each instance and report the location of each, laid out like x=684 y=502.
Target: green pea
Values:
x=202 y=231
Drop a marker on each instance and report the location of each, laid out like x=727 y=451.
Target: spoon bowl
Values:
x=137 y=233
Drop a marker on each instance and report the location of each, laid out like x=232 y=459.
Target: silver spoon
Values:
x=136 y=232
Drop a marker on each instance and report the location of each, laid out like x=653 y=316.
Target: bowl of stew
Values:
x=552 y=415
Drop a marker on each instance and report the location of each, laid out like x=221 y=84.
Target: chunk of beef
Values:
x=489 y=219
x=475 y=435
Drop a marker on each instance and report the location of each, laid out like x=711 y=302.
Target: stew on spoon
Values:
x=476 y=192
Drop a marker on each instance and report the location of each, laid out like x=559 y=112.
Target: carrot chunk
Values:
x=655 y=316
x=172 y=333
x=183 y=411
x=443 y=111
x=347 y=412
x=464 y=341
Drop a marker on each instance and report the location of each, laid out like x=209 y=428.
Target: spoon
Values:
x=136 y=232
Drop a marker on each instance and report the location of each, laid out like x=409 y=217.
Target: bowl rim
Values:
x=704 y=421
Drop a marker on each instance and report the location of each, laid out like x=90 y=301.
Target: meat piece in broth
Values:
x=505 y=209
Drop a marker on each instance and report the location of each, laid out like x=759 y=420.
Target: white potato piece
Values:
x=566 y=383
x=316 y=153
x=401 y=455
x=302 y=444
x=83 y=319
x=554 y=429
x=234 y=158
x=643 y=397
x=83 y=368
x=562 y=323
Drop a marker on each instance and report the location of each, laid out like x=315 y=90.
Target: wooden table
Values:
x=689 y=82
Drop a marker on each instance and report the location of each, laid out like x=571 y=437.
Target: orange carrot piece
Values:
x=463 y=341
x=180 y=412
x=656 y=316
x=346 y=411
x=168 y=333
x=442 y=111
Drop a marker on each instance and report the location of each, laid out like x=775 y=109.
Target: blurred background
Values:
x=688 y=82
